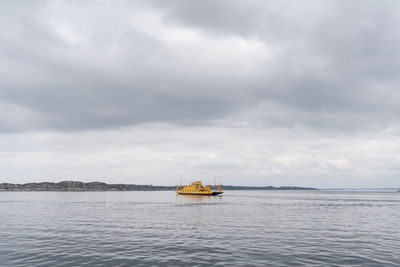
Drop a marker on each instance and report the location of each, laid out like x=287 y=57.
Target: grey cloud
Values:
x=70 y=66
x=254 y=92
x=222 y=17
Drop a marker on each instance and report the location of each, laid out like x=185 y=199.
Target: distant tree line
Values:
x=80 y=186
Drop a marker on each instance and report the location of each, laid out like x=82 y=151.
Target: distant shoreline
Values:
x=76 y=186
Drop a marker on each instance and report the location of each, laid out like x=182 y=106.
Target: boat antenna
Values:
x=215 y=180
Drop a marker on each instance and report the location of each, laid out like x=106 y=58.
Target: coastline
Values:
x=77 y=186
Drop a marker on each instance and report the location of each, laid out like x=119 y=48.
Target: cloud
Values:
x=78 y=75
x=79 y=66
x=162 y=154
x=321 y=68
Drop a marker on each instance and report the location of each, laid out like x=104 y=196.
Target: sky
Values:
x=269 y=92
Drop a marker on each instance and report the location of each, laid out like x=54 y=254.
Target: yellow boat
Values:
x=197 y=188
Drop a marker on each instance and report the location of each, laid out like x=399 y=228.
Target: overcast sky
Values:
x=302 y=93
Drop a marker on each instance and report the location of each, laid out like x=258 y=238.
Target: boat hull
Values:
x=200 y=194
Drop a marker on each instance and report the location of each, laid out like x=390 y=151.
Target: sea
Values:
x=238 y=228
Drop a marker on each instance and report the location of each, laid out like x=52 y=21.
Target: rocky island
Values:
x=100 y=186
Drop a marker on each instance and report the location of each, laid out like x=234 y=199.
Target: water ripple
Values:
x=243 y=228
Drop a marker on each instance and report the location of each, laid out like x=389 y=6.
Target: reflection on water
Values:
x=198 y=199
x=239 y=228
x=196 y=212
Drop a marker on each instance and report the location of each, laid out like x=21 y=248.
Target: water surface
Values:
x=239 y=228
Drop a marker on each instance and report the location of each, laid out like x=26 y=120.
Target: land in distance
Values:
x=100 y=186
